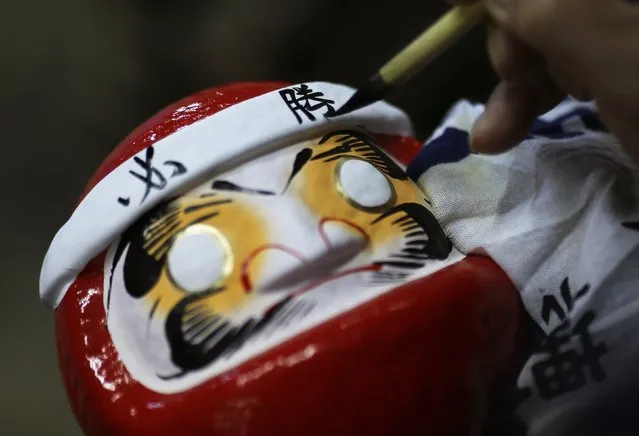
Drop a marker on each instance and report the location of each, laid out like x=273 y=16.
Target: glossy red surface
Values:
x=422 y=359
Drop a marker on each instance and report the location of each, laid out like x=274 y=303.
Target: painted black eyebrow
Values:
x=348 y=134
x=301 y=159
x=357 y=141
x=225 y=185
x=197 y=207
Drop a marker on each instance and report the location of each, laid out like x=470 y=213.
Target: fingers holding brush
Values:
x=544 y=50
x=526 y=90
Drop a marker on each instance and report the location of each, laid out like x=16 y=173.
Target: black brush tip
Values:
x=374 y=90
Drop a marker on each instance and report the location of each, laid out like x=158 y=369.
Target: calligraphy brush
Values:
x=412 y=59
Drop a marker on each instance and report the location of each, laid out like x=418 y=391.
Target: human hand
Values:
x=545 y=49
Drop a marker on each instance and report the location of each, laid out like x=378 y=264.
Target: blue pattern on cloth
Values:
x=449 y=147
x=555 y=129
x=452 y=144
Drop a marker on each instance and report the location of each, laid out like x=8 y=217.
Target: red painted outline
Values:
x=325 y=220
x=244 y=274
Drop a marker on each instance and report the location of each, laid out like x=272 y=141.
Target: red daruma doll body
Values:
x=245 y=264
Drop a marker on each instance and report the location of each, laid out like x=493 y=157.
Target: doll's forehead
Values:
x=272 y=172
x=269 y=173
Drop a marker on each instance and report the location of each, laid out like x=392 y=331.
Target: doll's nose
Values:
x=339 y=242
x=337 y=232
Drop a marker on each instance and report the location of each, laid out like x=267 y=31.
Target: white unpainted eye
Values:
x=363 y=184
x=199 y=259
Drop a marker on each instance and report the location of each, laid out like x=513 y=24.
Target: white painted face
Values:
x=259 y=254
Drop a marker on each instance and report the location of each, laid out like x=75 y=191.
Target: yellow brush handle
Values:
x=432 y=43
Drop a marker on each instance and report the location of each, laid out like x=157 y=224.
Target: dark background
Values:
x=78 y=75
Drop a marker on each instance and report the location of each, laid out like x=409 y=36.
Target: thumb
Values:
x=511 y=110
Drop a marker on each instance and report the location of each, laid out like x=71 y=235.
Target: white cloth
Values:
x=560 y=214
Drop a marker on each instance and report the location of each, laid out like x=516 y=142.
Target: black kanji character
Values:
x=150 y=171
x=303 y=99
x=178 y=168
x=151 y=176
x=591 y=353
x=562 y=371
x=550 y=303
